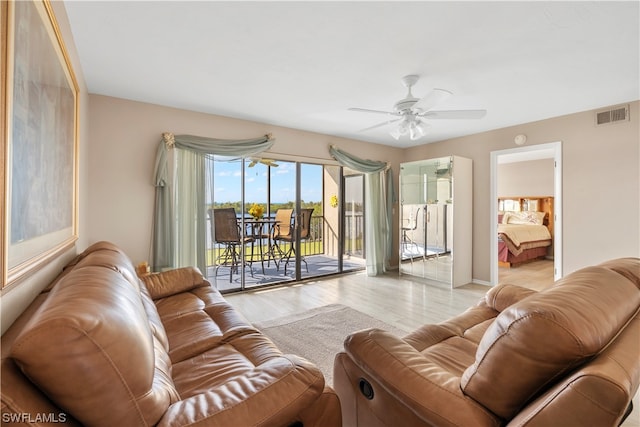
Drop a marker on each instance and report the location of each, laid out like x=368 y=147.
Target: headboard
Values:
x=528 y=203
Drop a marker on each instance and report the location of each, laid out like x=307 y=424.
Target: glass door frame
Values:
x=343 y=209
x=323 y=233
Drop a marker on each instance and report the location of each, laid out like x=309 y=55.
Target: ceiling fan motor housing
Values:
x=405 y=105
x=410 y=80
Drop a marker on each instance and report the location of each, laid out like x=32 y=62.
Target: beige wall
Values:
x=16 y=298
x=601 y=184
x=331 y=217
x=529 y=178
x=124 y=136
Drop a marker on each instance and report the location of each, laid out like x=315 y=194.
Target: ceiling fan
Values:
x=267 y=162
x=410 y=113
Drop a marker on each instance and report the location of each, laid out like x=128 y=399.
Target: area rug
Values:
x=318 y=334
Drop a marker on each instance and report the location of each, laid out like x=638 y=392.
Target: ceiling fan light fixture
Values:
x=403 y=128
x=411 y=126
x=416 y=131
x=395 y=133
x=422 y=128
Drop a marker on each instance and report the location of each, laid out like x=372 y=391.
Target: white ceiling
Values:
x=303 y=64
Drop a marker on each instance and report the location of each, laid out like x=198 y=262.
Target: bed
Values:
x=524 y=236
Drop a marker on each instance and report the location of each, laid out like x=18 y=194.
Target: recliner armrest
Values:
x=171 y=282
x=414 y=380
x=502 y=296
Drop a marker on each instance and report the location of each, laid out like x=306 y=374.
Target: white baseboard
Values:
x=481 y=282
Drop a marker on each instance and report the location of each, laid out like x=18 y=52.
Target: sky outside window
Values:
x=227 y=180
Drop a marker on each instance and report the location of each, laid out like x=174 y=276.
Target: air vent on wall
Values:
x=612 y=115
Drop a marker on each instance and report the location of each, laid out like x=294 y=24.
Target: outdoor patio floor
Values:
x=318 y=265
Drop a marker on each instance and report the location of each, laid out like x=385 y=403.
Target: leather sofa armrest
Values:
x=171 y=282
x=502 y=296
x=419 y=383
x=274 y=393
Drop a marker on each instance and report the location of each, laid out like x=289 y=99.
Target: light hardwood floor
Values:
x=402 y=301
x=536 y=275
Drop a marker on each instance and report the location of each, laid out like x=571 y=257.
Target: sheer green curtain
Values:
x=379 y=198
x=190 y=212
x=175 y=217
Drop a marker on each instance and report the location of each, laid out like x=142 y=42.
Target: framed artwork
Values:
x=40 y=140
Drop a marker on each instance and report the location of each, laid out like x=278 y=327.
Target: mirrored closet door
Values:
x=435 y=219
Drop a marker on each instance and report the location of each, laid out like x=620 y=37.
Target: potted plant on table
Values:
x=256 y=211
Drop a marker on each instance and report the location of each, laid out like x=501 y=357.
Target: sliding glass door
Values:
x=288 y=217
x=354 y=233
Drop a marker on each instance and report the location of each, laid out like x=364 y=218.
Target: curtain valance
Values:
x=223 y=147
x=379 y=198
x=204 y=145
x=356 y=163
x=163 y=243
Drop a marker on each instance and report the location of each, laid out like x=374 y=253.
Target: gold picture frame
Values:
x=39 y=141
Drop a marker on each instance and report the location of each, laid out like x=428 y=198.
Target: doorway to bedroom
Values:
x=526 y=184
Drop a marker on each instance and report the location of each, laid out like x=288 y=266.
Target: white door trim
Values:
x=555 y=149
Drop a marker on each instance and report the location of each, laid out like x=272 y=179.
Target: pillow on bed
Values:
x=526 y=217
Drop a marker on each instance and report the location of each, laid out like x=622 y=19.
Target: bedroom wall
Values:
x=528 y=178
x=601 y=181
x=124 y=135
x=17 y=297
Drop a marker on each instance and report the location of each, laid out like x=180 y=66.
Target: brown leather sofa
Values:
x=565 y=356
x=102 y=347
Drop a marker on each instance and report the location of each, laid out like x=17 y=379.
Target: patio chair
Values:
x=282 y=231
x=305 y=233
x=226 y=231
x=407 y=241
x=282 y=227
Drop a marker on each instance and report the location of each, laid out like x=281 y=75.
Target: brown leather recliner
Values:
x=565 y=356
x=102 y=347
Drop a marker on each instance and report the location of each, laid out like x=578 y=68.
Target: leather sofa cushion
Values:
x=199 y=320
x=628 y=267
x=427 y=381
x=470 y=325
x=173 y=282
x=505 y=295
x=108 y=255
x=279 y=387
x=535 y=341
x=219 y=365
x=473 y=323
x=602 y=389
x=155 y=323
x=79 y=347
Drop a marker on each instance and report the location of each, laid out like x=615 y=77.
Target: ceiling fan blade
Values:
x=432 y=99
x=454 y=114
x=388 y=122
x=267 y=162
x=366 y=110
